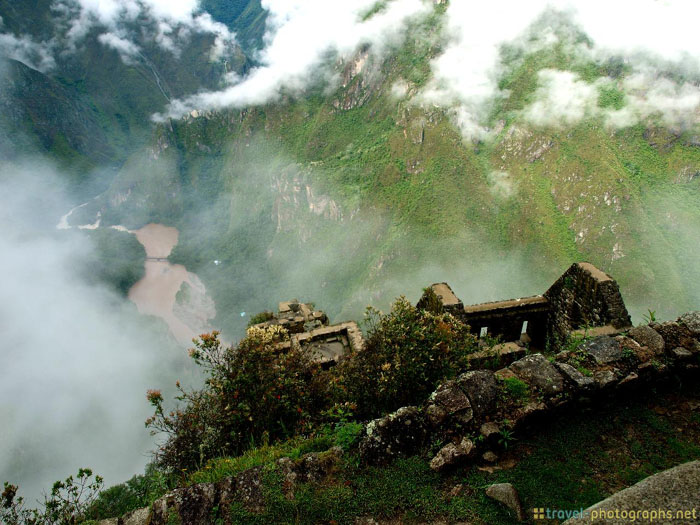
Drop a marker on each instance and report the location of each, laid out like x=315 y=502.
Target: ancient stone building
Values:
x=583 y=298
x=309 y=328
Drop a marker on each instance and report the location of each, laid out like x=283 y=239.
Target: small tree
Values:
x=407 y=353
x=254 y=391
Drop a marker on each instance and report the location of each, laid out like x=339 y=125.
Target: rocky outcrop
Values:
x=487 y=403
x=397 y=434
x=473 y=414
x=672 y=496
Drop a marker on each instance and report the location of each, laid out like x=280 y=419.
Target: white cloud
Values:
x=562 y=99
x=466 y=73
x=173 y=21
x=644 y=32
x=76 y=359
x=38 y=55
x=501 y=184
x=301 y=36
x=648 y=95
x=123 y=46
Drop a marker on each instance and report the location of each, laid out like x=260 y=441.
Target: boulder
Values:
x=489 y=457
x=676 y=334
x=506 y=494
x=629 y=379
x=137 y=517
x=490 y=429
x=452 y=455
x=647 y=336
x=397 y=434
x=691 y=321
x=435 y=414
x=481 y=388
x=681 y=353
x=537 y=371
x=604 y=378
x=603 y=349
x=455 y=402
x=576 y=379
x=311 y=467
x=196 y=503
x=672 y=490
x=249 y=489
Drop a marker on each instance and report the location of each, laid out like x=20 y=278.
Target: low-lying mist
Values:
x=75 y=359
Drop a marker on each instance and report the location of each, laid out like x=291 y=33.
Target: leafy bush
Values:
x=261 y=318
x=259 y=392
x=254 y=392
x=66 y=505
x=407 y=353
x=347 y=434
x=136 y=493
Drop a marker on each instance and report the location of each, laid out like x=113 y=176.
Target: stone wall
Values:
x=473 y=410
x=471 y=413
x=506 y=319
x=309 y=328
x=583 y=296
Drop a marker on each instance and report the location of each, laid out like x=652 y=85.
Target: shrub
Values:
x=66 y=505
x=347 y=434
x=407 y=353
x=261 y=318
x=260 y=393
x=254 y=392
x=137 y=492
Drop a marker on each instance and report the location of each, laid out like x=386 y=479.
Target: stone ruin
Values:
x=309 y=328
x=583 y=300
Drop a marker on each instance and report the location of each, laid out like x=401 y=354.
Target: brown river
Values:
x=155 y=294
x=157 y=291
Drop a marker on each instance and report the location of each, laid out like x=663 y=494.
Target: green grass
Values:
x=218 y=469
x=576 y=459
x=573 y=462
x=516 y=388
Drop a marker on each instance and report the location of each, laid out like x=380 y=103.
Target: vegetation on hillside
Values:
x=257 y=393
x=570 y=463
x=414 y=197
x=117 y=260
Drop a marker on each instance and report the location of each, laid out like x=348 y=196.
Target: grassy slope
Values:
x=567 y=464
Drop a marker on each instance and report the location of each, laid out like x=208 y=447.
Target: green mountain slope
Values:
x=92 y=87
x=353 y=197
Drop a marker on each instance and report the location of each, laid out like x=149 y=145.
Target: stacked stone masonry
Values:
x=584 y=297
x=309 y=328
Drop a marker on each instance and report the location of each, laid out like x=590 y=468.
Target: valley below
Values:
x=157 y=292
